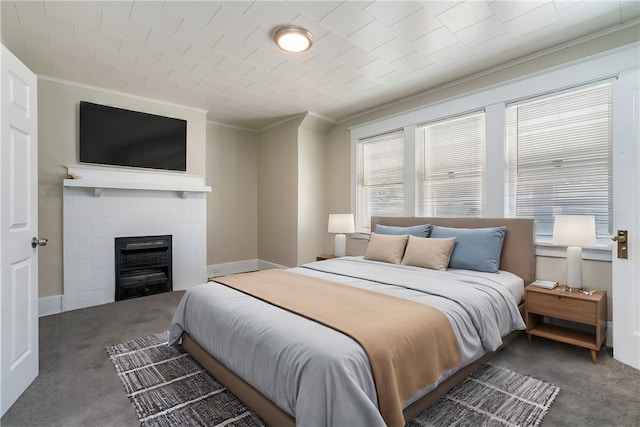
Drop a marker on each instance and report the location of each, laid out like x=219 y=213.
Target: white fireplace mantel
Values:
x=99 y=178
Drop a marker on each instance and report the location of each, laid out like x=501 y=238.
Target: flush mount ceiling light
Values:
x=293 y=38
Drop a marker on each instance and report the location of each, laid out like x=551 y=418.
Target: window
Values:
x=380 y=178
x=549 y=141
x=451 y=168
x=559 y=157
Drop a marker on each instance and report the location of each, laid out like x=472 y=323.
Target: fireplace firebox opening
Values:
x=143 y=266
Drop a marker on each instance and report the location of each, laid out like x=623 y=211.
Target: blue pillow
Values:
x=476 y=249
x=415 y=230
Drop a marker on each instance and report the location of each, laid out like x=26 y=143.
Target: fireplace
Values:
x=101 y=204
x=142 y=266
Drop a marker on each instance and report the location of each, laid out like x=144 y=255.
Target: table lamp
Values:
x=574 y=232
x=340 y=224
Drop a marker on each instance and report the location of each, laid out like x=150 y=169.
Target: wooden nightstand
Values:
x=323 y=257
x=573 y=306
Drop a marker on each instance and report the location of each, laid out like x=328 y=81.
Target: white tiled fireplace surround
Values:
x=100 y=204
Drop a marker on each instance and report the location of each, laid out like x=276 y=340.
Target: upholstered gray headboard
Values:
x=518 y=250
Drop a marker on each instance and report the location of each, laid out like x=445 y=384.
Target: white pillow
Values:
x=432 y=253
x=386 y=248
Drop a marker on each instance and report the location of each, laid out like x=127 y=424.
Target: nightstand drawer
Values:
x=562 y=307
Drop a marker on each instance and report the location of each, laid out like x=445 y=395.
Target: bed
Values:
x=291 y=370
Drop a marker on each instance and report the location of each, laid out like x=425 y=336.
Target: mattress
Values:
x=318 y=375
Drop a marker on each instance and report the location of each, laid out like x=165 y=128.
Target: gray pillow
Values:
x=476 y=249
x=421 y=230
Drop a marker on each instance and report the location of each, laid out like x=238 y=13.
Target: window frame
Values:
x=422 y=157
x=494 y=100
x=511 y=194
x=361 y=145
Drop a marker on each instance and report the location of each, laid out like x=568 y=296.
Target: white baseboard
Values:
x=266 y=265
x=216 y=270
x=245 y=266
x=49 y=305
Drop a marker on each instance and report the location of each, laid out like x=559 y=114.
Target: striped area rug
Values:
x=168 y=388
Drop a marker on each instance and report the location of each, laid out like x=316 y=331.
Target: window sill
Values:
x=360 y=236
x=600 y=252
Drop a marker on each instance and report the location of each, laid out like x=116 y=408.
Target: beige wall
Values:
x=232 y=205
x=278 y=194
x=338 y=176
x=291 y=191
x=57 y=141
x=312 y=220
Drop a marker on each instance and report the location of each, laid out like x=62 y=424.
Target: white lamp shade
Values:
x=341 y=223
x=574 y=230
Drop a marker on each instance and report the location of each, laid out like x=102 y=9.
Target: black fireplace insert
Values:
x=143 y=266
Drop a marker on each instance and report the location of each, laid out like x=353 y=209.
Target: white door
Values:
x=626 y=216
x=18 y=225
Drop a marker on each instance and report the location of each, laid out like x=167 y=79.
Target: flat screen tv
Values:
x=114 y=136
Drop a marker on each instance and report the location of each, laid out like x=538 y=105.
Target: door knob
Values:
x=35 y=242
x=621 y=238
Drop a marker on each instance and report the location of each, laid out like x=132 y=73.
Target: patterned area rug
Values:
x=168 y=388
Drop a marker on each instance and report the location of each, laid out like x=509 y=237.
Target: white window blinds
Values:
x=380 y=190
x=559 y=157
x=451 y=169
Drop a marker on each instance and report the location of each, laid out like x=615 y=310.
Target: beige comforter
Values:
x=398 y=335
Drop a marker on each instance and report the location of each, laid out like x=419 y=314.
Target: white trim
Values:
x=266 y=265
x=575 y=73
x=99 y=177
x=600 y=252
x=355 y=169
x=246 y=266
x=296 y=116
x=49 y=305
x=310 y=113
x=115 y=92
x=288 y=119
x=216 y=270
x=495 y=170
x=321 y=117
x=212 y=122
x=410 y=169
x=503 y=67
x=626 y=216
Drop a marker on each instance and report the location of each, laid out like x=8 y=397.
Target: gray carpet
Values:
x=77 y=385
x=168 y=388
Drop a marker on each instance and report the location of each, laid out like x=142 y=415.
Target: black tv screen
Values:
x=114 y=136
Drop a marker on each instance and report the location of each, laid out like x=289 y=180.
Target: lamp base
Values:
x=340 y=245
x=574 y=268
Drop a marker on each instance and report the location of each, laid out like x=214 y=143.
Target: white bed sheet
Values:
x=318 y=375
x=510 y=281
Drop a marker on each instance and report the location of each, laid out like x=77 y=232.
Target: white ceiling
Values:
x=220 y=57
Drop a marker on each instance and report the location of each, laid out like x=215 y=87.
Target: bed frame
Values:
x=518 y=257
